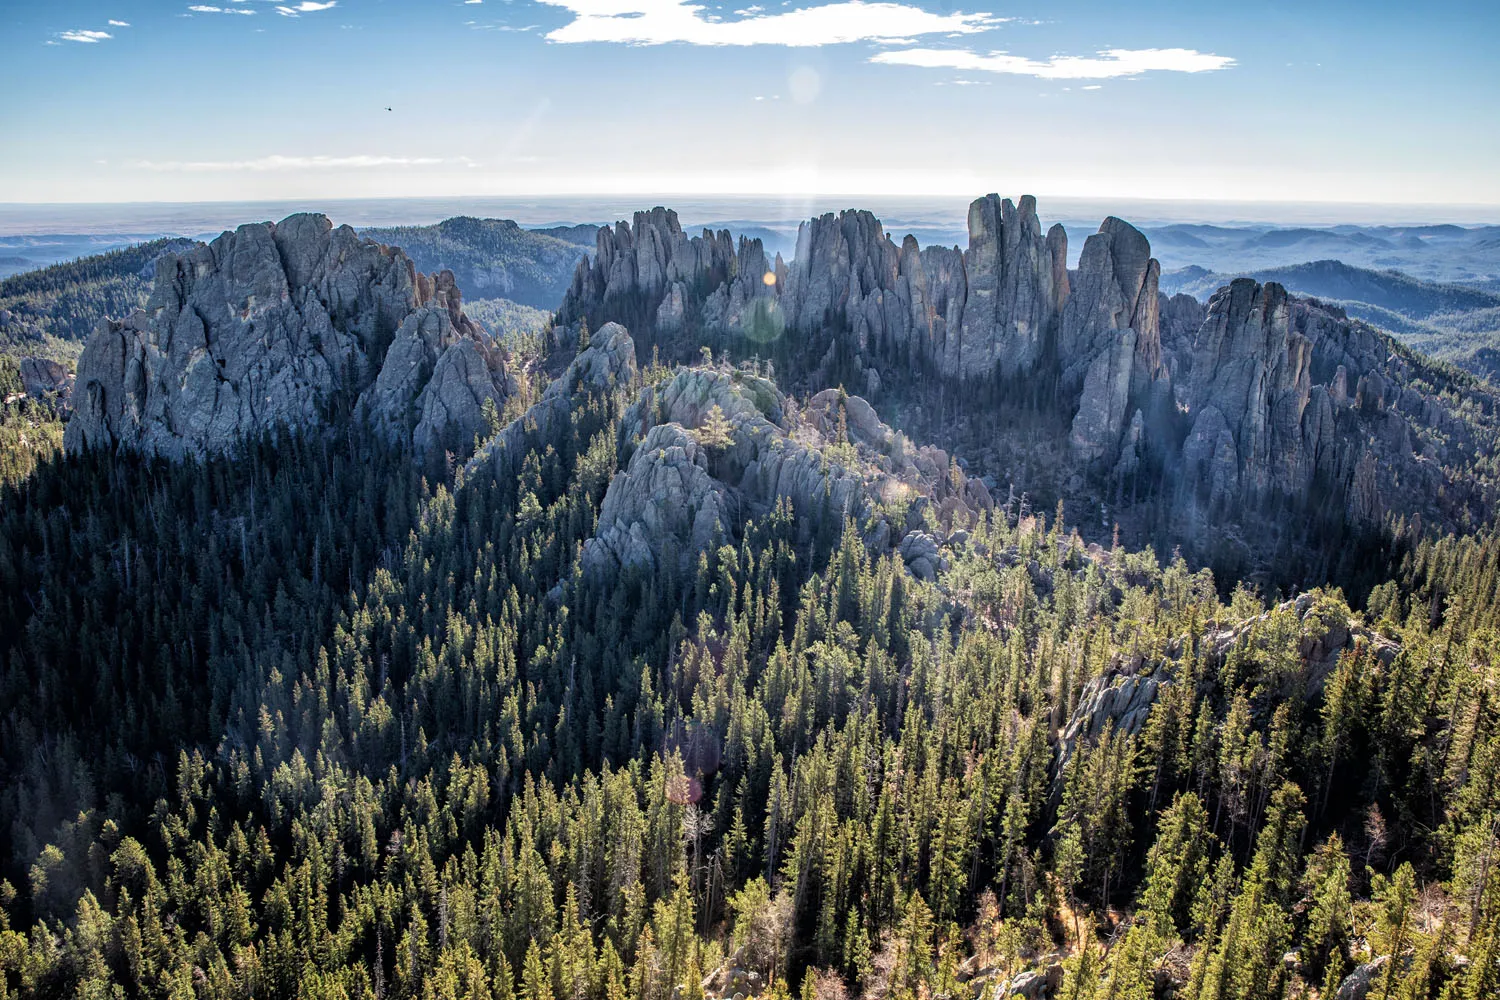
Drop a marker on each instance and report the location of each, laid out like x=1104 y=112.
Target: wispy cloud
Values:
x=659 y=22
x=305 y=7
x=499 y=26
x=118 y=24
x=1105 y=65
x=85 y=37
x=205 y=9
x=266 y=164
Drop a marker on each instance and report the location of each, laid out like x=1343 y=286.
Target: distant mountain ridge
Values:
x=1389 y=289
x=1439 y=253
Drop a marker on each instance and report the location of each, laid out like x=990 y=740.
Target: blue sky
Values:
x=1316 y=100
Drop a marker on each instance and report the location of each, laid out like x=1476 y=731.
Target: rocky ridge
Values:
x=1258 y=399
x=45 y=380
x=651 y=271
x=265 y=327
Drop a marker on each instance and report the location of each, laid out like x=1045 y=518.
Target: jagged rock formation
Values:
x=683 y=487
x=265 y=327
x=438 y=373
x=1285 y=397
x=1257 y=402
x=651 y=271
x=1002 y=306
x=665 y=502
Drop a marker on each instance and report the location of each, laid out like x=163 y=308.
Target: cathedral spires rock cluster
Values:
x=1258 y=398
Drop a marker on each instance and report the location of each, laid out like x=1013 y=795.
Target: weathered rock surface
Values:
x=997 y=307
x=1257 y=402
x=649 y=269
x=665 y=503
x=1357 y=984
x=264 y=327
x=1034 y=985
x=438 y=373
x=835 y=459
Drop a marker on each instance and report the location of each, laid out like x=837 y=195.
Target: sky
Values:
x=1366 y=101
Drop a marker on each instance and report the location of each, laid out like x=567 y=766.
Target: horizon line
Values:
x=649 y=193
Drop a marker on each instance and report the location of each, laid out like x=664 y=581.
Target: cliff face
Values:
x=264 y=327
x=1258 y=398
x=651 y=271
x=996 y=307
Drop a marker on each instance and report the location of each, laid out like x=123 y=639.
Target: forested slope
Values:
x=51 y=311
x=494 y=258
x=679 y=686
x=302 y=722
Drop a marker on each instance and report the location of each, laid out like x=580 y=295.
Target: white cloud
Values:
x=1105 y=65
x=273 y=163
x=86 y=37
x=204 y=9
x=305 y=7
x=658 y=22
x=118 y=24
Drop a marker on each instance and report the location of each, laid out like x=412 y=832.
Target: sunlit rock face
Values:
x=264 y=327
x=711 y=448
x=1258 y=398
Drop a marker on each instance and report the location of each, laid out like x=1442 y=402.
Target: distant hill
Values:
x=15 y=265
x=582 y=234
x=494 y=258
x=51 y=311
x=1458 y=323
x=29 y=251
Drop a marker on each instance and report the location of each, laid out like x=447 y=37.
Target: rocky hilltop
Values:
x=711 y=447
x=270 y=326
x=1259 y=401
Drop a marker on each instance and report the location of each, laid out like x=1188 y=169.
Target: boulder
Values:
x=1356 y=985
